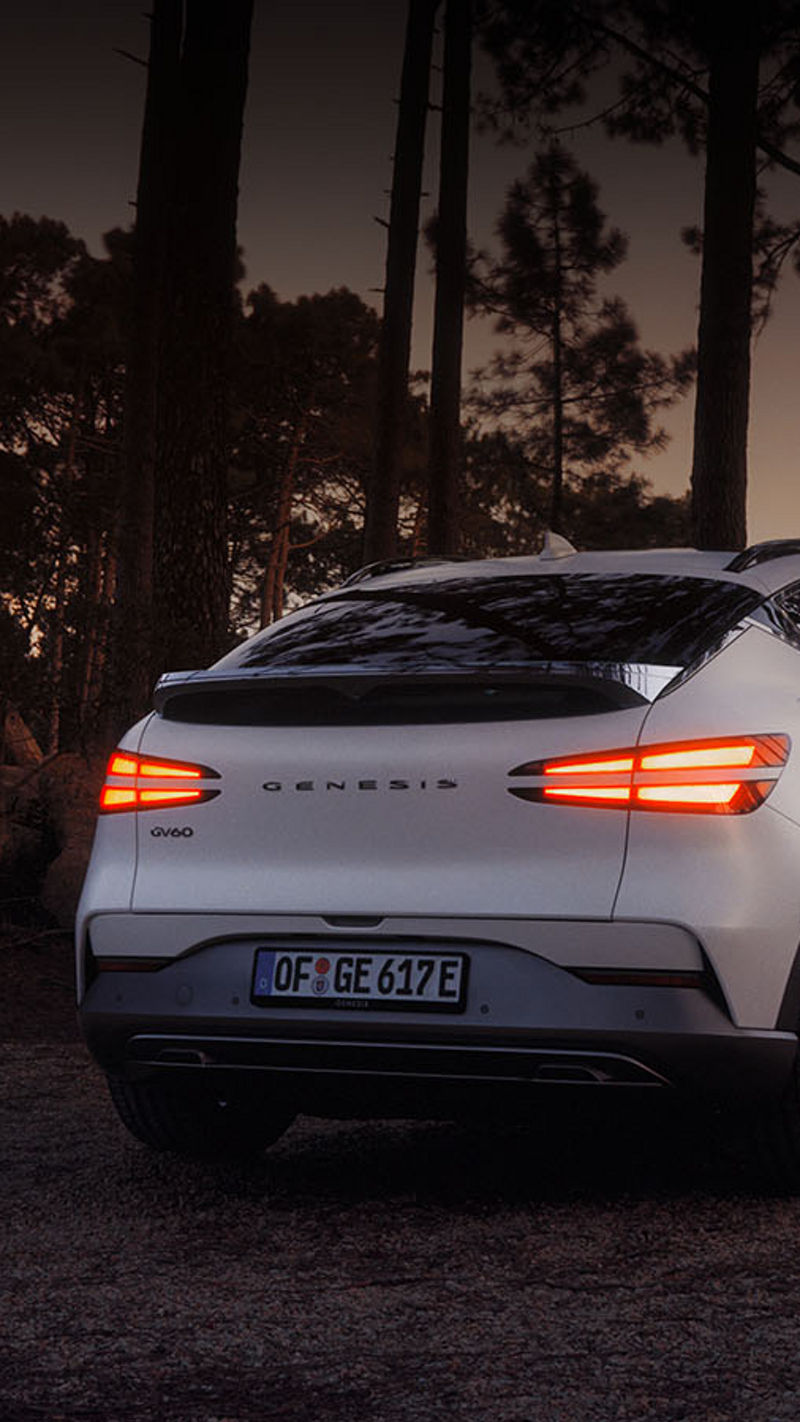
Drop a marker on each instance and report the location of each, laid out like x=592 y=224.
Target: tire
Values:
x=192 y=1120
x=776 y=1132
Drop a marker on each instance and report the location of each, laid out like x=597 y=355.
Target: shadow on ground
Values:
x=572 y=1154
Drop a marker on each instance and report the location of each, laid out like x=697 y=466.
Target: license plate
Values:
x=298 y=977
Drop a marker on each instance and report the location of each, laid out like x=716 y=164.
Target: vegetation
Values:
x=727 y=84
x=573 y=381
x=180 y=463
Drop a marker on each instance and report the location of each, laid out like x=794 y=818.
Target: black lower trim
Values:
x=734 y=1064
x=789 y=1014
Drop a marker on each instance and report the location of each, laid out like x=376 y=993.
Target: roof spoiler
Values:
x=626 y=684
x=763 y=553
x=401 y=565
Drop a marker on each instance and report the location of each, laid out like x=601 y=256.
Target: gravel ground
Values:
x=607 y=1268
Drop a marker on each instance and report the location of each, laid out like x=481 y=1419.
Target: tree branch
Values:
x=776 y=155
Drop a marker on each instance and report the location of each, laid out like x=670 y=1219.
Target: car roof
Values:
x=765 y=573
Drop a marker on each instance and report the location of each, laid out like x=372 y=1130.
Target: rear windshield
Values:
x=473 y=623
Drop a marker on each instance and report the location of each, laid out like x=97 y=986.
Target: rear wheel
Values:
x=777 y=1132
x=192 y=1120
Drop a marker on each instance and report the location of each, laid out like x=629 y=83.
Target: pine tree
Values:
x=383 y=490
x=451 y=281
x=725 y=79
x=574 y=378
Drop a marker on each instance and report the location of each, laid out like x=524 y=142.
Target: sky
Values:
x=316 y=167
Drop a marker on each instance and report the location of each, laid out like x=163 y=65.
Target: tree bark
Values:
x=93 y=585
x=557 y=492
x=18 y=743
x=383 y=493
x=56 y=663
x=451 y=269
x=719 y=470
x=130 y=662
x=272 y=587
x=191 y=583
x=100 y=581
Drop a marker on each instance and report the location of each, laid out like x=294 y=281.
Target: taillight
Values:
x=730 y=775
x=136 y=782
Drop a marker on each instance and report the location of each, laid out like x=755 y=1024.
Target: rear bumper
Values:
x=736 y=1066
x=530 y=1025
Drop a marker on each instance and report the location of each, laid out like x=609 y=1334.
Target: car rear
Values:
x=491 y=827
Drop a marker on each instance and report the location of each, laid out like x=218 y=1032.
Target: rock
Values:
x=62 y=883
x=70 y=792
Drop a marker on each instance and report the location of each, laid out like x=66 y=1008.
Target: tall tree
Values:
x=690 y=69
x=451 y=278
x=506 y=503
x=173 y=577
x=304 y=407
x=130 y=671
x=61 y=317
x=383 y=493
x=191 y=582
x=719 y=460
x=574 y=381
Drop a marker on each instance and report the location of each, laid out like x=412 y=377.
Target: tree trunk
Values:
x=383 y=494
x=284 y=549
x=272 y=586
x=271 y=590
x=130 y=663
x=92 y=724
x=451 y=270
x=56 y=663
x=719 y=470
x=93 y=593
x=557 y=493
x=18 y=743
x=191 y=584
x=420 y=520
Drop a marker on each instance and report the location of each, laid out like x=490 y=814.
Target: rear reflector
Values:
x=640 y=977
x=135 y=783
x=130 y=965
x=688 y=776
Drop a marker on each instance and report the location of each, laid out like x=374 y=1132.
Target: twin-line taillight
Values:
x=729 y=775
x=135 y=782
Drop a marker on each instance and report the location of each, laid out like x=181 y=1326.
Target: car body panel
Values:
x=569 y=943
x=735 y=879
x=666 y=941
x=526 y=1021
x=378 y=820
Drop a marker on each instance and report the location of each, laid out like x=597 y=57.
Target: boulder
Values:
x=70 y=791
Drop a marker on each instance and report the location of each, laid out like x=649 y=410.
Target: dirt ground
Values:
x=595 y=1268
x=37 y=985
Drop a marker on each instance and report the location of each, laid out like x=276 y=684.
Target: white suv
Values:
x=458 y=831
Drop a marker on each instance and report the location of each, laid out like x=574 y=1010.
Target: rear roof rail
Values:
x=763 y=553
x=400 y=565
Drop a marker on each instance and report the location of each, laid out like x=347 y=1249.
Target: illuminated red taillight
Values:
x=725 y=776
x=146 y=783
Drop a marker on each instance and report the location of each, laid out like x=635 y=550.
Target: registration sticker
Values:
x=397 y=980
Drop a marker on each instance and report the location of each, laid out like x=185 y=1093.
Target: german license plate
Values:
x=298 y=977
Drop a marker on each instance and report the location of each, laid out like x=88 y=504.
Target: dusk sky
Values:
x=319 y=133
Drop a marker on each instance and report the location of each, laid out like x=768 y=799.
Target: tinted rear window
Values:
x=510 y=621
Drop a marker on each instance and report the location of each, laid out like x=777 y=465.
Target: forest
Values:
x=183 y=459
